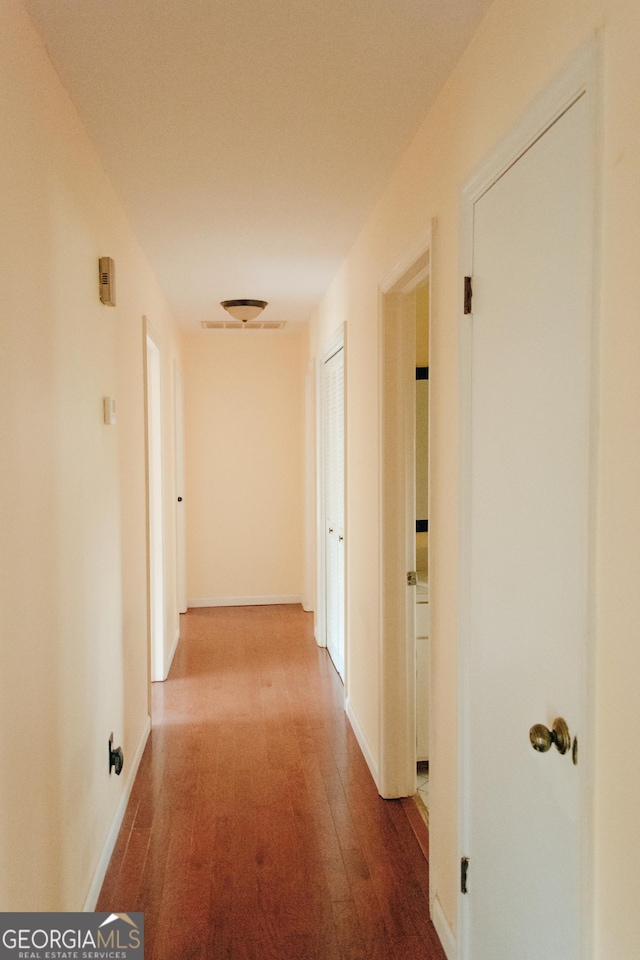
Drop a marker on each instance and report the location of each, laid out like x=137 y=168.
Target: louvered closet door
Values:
x=333 y=409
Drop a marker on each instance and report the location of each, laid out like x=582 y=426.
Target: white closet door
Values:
x=529 y=550
x=333 y=416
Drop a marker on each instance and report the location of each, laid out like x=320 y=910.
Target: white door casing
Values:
x=526 y=517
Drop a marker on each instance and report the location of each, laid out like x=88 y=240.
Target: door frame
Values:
x=336 y=342
x=580 y=78
x=397 y=520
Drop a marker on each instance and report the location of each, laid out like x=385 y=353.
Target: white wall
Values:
x=519 y=48
x=73 y=654
x=244 y=422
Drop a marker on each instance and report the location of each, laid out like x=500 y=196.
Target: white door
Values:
x=155 y=509
x=333 y=417
x=528 y=526
x=181 y=550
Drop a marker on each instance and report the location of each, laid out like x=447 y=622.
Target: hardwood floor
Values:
x=254 y=830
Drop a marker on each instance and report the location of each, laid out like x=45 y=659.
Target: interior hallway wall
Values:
x=245 y=454
x=517 y=51
x=73 y=656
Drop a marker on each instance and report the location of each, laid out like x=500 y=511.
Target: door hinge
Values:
x=468 y=294
x=464 y=870
x=412 y=578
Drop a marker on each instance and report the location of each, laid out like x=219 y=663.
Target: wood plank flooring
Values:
x=254 y=830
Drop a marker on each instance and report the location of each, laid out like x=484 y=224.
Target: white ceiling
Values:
x=249 y=139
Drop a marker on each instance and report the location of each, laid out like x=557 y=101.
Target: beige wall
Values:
x=73 y=653
x=244 y=416
x=515 y=54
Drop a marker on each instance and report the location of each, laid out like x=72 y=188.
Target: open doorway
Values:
x=405 y=297
x=330 y=628
x=423 y=620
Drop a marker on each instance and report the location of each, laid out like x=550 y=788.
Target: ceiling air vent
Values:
x=239 y=325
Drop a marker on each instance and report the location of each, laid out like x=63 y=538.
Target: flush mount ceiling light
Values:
x=244 y=309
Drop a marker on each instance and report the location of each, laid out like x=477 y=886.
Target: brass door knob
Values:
x=542 y=738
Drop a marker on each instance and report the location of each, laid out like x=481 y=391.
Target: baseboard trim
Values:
x=172 y=653
x=116 y=823
x=243 y=601
x=444 y=931
x=363 y=743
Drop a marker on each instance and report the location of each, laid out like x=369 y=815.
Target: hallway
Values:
x=254 y=830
